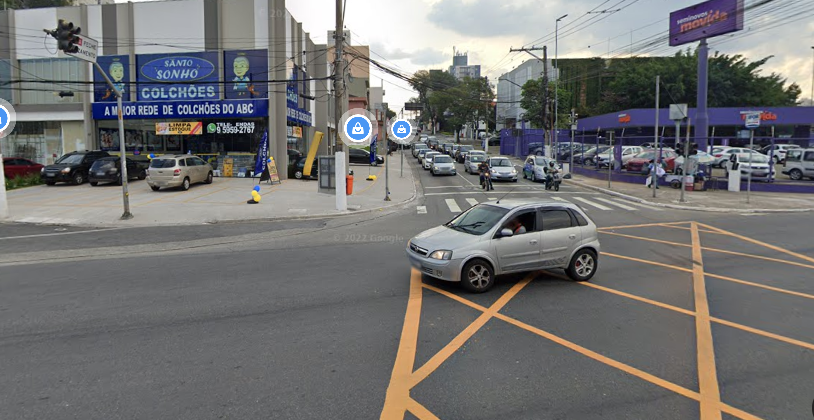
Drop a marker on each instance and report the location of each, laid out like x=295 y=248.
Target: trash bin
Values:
x=349 y=183
x=688 y=183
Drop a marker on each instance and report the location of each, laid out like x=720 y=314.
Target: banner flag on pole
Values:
x=262 y=155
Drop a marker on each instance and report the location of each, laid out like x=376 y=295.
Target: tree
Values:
x=733 y=82
x=425 y=82
x=532 y=101
x=466 y=102
x=35 y=4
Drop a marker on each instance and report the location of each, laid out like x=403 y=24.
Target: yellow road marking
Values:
x=381 y=169
x=700 y=230
x=707 y=371
x=644 y=225
x=204 y=195
x=420 y=411
x=424 y=371
x=722 y=251
x=398 y=392
x=764 y=244
x=455 y=297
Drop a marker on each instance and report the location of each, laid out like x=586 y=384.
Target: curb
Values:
x=394 y=206
x=690 y=208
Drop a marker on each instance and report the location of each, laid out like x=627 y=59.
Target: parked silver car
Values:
x=169 y=171
x=508 y=236
x=427 y=162
x=502 y=169
x=443 y=165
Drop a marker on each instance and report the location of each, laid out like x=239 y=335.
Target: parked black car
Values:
x=72 y=167
x=296 y=170
x=362 y=157
x=108 y=169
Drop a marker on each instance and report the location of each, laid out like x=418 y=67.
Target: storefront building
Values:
x=234 y=73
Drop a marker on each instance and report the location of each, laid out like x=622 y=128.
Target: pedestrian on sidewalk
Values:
x=660 y=172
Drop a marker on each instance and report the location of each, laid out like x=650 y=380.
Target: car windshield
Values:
x=466 y=148
x=499 y=162
x=540 y=161
x=478 y=219
x=476 y=158
x=442 y=159
x=162 y=163
x=71 y=159
x=756 y=158
x=103 y=164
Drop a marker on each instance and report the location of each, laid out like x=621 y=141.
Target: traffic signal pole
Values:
x=125 y=193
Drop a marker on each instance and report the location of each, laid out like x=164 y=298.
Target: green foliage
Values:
x=23 y=181
x=532 y=101
x=426 y=83
x=36 y=4
x=733 y=82
x=468 y=101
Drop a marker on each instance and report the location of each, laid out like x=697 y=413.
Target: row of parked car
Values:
x=441 y=161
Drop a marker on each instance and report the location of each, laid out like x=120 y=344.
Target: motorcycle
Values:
x=553 y=180
x=486 y=181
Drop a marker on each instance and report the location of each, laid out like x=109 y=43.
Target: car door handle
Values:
x=572 y=236
x=533 y=242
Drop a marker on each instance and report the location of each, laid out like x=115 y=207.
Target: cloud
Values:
x=486 y=18
x=423 y=57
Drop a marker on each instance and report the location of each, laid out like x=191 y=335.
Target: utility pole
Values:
x=657 y=154
x=545 y=78
x=339 y=78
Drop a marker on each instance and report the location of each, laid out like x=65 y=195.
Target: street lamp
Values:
x=557 y=82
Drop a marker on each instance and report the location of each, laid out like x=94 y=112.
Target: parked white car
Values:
x=799 y=164
x=723 y=154
x=780 y=150
x=755 y=163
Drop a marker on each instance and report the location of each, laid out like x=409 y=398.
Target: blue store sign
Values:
x=249 y=108
x=177 y=77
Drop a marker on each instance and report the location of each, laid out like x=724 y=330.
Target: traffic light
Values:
x=693 y=148
x=66 y=35
x=73 y=39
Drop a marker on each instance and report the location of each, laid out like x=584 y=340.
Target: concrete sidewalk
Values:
x=715 y=201
x=222 y=201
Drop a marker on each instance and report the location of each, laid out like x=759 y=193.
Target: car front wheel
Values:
x=795 y=174
x=155 y=188
x=209 y=178
x=583 y=265
x=78 y=179
x=477 y=276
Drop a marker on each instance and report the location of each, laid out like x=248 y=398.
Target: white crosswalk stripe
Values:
x=638 y=205
x=560 y=199
x=620 y=205
x=471 y=201
x=492 y=198
x=453 y=206
x=591 y=203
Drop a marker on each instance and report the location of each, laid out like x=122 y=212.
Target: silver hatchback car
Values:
x=171 y=171
x=508 y=236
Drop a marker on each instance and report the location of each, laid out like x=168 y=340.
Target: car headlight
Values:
x=435 y=168
x=42 y=171
x=441 y=255
x=514 y=171
x=494 y=171
x=66 y=171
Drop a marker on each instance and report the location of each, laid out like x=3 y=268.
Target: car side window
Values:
x=581 y=221
x=199 y=161
x=522 y=222
x=808 y=156
x=554 y=219
x=182 y=162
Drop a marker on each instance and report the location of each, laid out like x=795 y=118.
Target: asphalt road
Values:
x=319 y=318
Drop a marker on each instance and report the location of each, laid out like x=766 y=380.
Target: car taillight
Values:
x=719 y=155
x=176 y=172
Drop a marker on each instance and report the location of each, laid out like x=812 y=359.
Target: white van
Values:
x=799 y=164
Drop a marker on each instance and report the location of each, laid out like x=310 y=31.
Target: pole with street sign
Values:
x=752 y=122
x=678 y=113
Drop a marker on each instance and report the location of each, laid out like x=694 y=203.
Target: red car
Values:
x=640 y=162
x=14 y=167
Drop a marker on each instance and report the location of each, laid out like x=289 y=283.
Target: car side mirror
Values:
x=506 y=233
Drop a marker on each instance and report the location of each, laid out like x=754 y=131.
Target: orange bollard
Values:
x=348 y=184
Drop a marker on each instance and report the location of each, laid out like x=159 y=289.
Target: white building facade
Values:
x=509 y=91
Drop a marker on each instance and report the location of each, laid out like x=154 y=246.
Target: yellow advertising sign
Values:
x=228 y=167
x=312 y=153
x=175 y=128
x=297 y=132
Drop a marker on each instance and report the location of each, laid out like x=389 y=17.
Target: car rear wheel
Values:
x=142 y=175
x=589 y=162
x=93 y=183
x=185 y=184
x=477 y=276
x=583 y=265
x=155 y=188
x=795 y=174
x=209 y=178
x=298 y=174
x=78 y=179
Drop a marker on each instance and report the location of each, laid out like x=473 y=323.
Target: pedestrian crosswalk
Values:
x=591 y=203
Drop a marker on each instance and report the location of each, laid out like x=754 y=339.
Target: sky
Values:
x=412 y=35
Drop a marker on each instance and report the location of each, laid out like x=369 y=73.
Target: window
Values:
x=478 y=219
x=523 y=222
x=808 y=156
x=49 y=69
x=5 y=74
x=556 y=219
x=794 y=155
x=580 y=219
